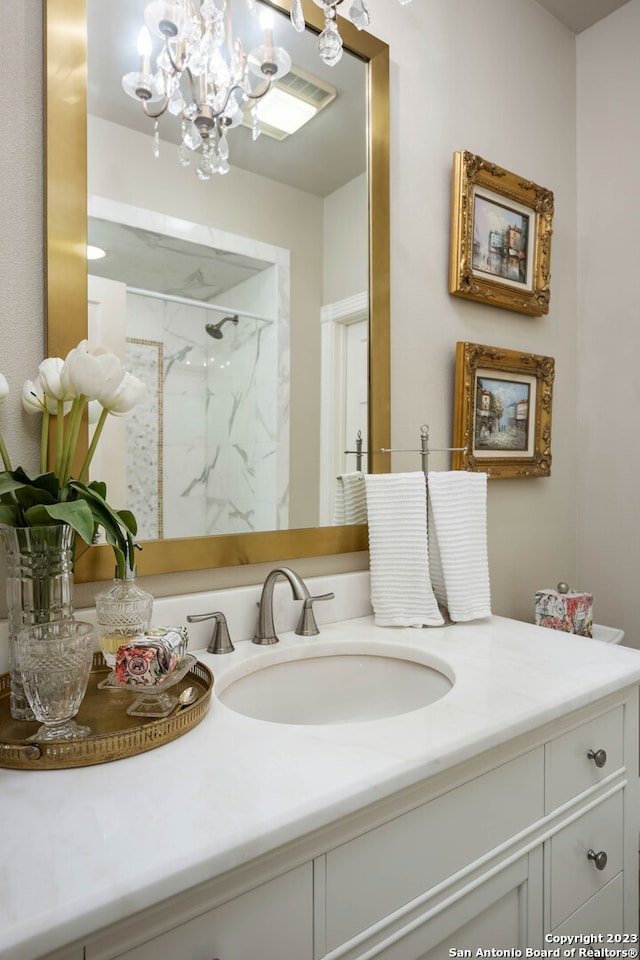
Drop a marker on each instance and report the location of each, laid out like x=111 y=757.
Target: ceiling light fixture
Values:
x=203 y=76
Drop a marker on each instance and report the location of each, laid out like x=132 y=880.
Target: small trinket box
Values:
x=564 y=609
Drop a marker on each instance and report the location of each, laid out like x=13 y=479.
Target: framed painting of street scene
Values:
x=502 y=412
x=501 y=227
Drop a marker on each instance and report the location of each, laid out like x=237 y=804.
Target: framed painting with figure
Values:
x=502 y=411
x=501 y=226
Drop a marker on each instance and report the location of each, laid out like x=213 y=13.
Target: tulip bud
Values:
x=32 y=397
x=49 y=377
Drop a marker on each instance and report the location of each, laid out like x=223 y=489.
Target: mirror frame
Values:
x=66 y=281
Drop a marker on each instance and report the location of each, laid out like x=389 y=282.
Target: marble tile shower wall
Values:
x=207 y=452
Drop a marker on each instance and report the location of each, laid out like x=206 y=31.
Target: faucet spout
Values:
x=266 y=633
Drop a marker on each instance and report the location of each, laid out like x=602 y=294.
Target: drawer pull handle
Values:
x=599 y=757
x=600 y=859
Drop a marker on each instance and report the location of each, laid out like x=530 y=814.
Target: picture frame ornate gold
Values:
x=474 y=276
x=500 y=442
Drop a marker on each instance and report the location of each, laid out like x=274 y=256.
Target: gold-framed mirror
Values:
x=66 y=281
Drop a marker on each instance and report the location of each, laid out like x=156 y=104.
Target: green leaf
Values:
x=99 y=487
x=20 y=479
x=128 y=520
x=8 y=483
x=11 y=515
x=49 y=482
x=76 y=513
x=30 y=496
x=105 y=515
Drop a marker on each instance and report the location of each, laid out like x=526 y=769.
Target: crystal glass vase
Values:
x=39 y=590
x=123 y=611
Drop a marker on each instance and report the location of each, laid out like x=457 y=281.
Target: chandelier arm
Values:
x=261 y=93
x=170 y=57
x=154 y=116
x=215 y=114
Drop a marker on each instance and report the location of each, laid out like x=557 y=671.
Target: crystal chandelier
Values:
x=203 y=75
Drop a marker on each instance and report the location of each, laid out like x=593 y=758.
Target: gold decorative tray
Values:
x=114 y=734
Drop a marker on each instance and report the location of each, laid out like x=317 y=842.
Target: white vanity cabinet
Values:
x=545 y=843
x=533 y=838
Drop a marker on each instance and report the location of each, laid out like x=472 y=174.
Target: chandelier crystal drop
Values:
x=329 y=41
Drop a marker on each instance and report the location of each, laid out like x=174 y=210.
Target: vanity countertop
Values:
x=84 y=848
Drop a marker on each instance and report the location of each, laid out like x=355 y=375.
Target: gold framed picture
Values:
x=502 y=412
x=501 y=226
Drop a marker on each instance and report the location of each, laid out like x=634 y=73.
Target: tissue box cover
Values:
x=148 y=659
x=571 y=612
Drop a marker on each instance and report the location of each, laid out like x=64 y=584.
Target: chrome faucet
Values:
x=307 y=627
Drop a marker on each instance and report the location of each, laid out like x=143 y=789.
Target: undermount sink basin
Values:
x=335 y=688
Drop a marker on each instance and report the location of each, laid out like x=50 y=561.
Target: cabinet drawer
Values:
x=604 y=912
x=371 y=876
x=575 y=878
x=570 y=770
x=272 y=922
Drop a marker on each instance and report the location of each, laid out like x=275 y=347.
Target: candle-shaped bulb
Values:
x=144 y=49
x=266 y=24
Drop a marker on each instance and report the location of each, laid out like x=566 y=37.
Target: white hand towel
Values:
x=350 y=502
x=401 y=593
x=458 y=556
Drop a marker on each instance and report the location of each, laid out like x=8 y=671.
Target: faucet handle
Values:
x=220 y=640
x=307 y=626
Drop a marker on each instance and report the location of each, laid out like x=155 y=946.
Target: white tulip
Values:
x=35 y=400
x=4 y=388
x=91 y=373
x=49 y=376
x=32 y=397
x=94 y=409
x=126 y=397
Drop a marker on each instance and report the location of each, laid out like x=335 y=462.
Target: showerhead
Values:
x=214 y=329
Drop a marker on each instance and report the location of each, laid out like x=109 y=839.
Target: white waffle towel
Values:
x=458 y=555
x=350 y=502
x=401 y=592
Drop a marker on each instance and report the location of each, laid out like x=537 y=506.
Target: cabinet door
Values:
x=272 y=922
x=502 y=912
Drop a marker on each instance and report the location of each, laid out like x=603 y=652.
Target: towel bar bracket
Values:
x=359 y=452
x=425 y=449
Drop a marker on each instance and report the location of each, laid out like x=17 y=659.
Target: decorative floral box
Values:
x=569 y=611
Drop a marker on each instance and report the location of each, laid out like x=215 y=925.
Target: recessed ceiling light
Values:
x=95 y=253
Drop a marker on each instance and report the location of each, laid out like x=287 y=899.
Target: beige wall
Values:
x=498 y=79
x=453 y=86
x=608 y=333
x=346 y=252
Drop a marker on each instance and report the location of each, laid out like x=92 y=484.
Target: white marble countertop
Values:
x=84 y=848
